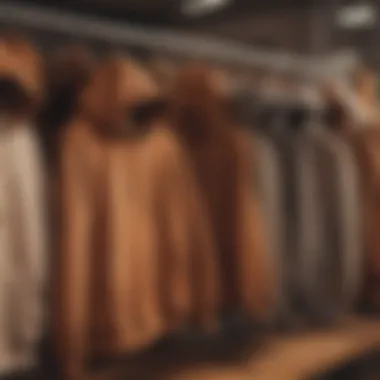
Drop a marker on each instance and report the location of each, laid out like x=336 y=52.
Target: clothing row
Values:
x=134 y=237
x=310 y=186
x=129 y=213
x=319 y=179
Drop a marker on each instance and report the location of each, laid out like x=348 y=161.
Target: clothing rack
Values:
x=281 y=356
x=39 y=19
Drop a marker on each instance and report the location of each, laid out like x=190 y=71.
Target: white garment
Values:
x=22 y=247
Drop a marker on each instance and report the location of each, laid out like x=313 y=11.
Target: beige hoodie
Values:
x=22 y=247
x=22 y=232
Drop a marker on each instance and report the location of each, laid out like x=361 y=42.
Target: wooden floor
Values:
x=279 y=358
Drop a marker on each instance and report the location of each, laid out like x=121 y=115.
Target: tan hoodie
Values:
x=132 y=225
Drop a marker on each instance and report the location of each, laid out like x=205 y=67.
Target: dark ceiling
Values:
x=264 y=23
x=293 y=25
x=165 y=12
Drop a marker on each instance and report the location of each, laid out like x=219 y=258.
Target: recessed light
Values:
x=357 y=16
x=202 y=7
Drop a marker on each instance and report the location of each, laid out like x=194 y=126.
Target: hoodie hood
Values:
x=21 y=78
x=121 y=98
x=199 y=103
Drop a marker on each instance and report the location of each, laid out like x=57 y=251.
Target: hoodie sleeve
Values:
x=72 y=271
x=256 y=272
x=193 y=275
x=28 y=197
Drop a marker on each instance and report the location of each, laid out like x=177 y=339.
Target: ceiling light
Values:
x=357 y=16
x=202 y=7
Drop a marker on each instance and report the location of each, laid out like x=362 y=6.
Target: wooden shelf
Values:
x=295 y=357
x=308 y=354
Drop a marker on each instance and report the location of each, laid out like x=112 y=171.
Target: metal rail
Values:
x=43 y=20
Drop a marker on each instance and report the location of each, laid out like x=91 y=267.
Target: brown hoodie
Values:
x=222 y=161
x=366 y=144
x=132 y=224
